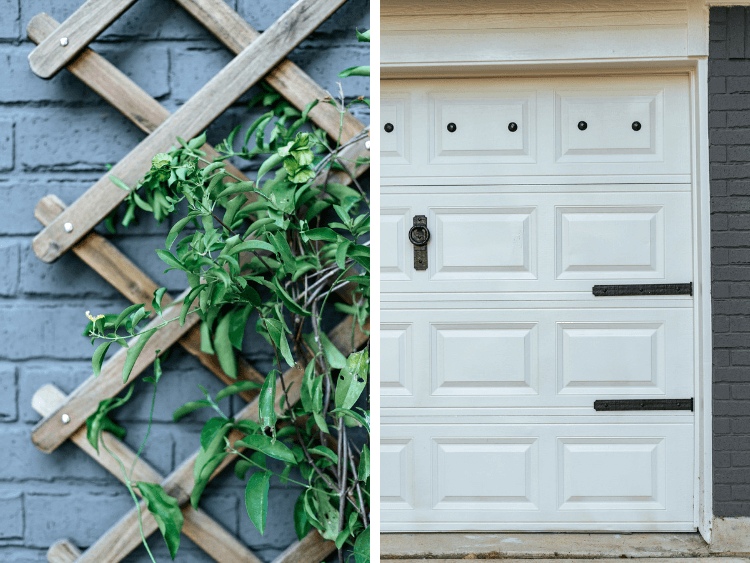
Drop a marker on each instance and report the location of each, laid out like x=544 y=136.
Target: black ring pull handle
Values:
x=419 y=236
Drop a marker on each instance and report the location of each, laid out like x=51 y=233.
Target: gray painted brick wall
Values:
x=57 y=137
x=729 y=130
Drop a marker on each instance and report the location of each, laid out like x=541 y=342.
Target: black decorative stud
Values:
x=388 y=127
x=582 y=125
x=636 y=126
x=512 y=127
x=451 y=127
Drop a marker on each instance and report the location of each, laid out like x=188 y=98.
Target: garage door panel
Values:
x=555 y=475
x=397 y=474
x=395 y=141
x=546 y=140
x=396 y=359
x=539 y=242
x=484 y=358
x=485 y=473
x=540 y=357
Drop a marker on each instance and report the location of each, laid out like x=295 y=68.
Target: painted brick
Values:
x=9 y=23
x=738 y=187
x=718 y=153
x=354 y=14
x=11 y=516
x=56 y=329
x=81 y=517
x=147 y=19
x=146 y=64
x=23 y=462
x=77 y=139
x=24 y=555
x=7 y=149
x=9 y=258
x=8 y=393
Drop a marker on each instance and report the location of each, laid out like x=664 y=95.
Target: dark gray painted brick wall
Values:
x=57 y=137
x=729 y=129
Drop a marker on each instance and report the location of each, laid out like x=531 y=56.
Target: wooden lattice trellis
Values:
x=259 y=56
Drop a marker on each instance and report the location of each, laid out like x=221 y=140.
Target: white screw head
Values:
x=367 y=145
x=68 y=227
x=65 y=418
x=64 y=41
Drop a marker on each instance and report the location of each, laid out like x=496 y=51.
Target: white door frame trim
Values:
x=697 y=69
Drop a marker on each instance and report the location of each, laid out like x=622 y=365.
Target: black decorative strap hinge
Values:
x=419 y=235
x=644 y=405
x=643 y=289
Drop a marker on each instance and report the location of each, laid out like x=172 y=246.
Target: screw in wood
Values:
x=68 y=227
x=65 y=418
x=64 y=41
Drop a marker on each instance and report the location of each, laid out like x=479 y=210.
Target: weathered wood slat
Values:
x=50 y=432
x=199 y=527
x=106 y=260
x=80 y=29
x=229 y=84
x=287 y=78
x=115 y=87
x=63 y=551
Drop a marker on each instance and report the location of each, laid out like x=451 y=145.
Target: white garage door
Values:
x=494 y=346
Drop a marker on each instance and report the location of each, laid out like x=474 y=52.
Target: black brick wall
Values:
x=729 y=131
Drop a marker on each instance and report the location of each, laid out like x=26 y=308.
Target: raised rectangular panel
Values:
x=612 y=473
x=396 y=474
x=615 y=358
x=484 y=358
x=395 y=359
x=485 y=473
x=610 y=242
x=609 y=135
x=394 y=264
x=484 y=243
x=395 y=147
x=482 y=134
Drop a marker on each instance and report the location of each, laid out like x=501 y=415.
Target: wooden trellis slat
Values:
x=194 y=116
x=287 y=78
x=101 y=255
x=199 y=527
x=80 y=29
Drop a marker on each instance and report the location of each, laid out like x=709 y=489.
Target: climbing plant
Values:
x=275 y=249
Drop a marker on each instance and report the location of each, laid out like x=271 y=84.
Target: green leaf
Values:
x=352 y=379
x=241 y=467
x=189 y=301
x=256 y=499
x=175 y=231
x=100 y=421
x=187 y=408
x=335 y=358
x=267 y=445
x=156 y=302
x=206 y=346
x=323 y=233
x=166 y=511
x=326 y=452
x=271 y=162
x=212 y=426
x=133 y=352
x=252 y=245
x=288 y=301
x=328 y=516
x=119 y=183
x=285 y=253
x=126 y=313
x=363 y=37
x=267 y=402
x=238 y=387
x=363 y=472
x=168 y=259
x=355 y=71
x=98 y=358
x=341 y=254
x=197 y=143
x=224 y=348
x=301 y=524
x=207 y=460
x=236 y=188
x=362 y=547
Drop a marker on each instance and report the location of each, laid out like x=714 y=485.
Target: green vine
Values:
x=278 y=247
